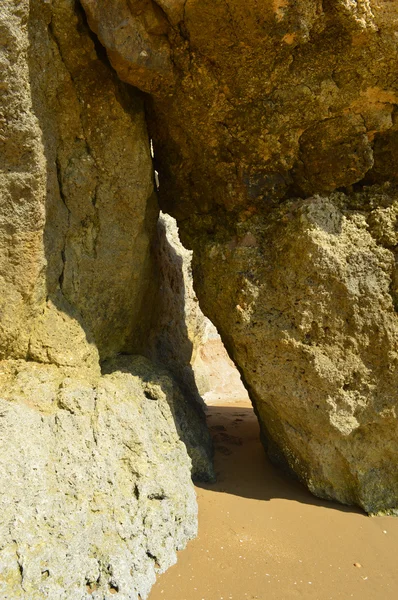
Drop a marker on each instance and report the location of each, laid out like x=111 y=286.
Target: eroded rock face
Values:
x=179 y=326
x=95 y=489
x=259 y=112
x=76 y=164
x=183 y=339
x=100 y=206
x=179 y=330
x=309 y=316
x=258 y=103
x=95 y=483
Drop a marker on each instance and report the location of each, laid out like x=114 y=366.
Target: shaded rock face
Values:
x=98 y=183
x=179 y=330
x=95 y=483
x=275 y=134
x=182 y=337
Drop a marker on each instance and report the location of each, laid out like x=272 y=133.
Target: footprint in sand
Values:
x=224 y=450
x=218 y=428
x=226 y=438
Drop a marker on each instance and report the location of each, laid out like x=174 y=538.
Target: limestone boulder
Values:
x=189 y=417
x=308 y=312
x=95 y=489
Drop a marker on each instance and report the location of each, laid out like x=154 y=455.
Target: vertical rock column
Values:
x=96 y=494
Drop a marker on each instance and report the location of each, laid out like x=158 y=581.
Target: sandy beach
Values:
x=263 y=536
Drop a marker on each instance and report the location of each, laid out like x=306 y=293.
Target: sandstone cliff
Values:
x=275 y=133
x=95 y=476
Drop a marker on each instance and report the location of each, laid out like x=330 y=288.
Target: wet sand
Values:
x=263 y=536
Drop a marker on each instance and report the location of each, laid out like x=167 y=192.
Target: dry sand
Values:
x=263 y=536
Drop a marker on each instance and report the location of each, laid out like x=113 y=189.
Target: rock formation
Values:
x=275 y=133
x=178 y=332
x=95 y=489
x=179 y=327
x=182 y=337
x=95 y=479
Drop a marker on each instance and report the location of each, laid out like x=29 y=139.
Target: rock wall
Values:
x=100 y=205
x=179 y=330
x=182 y=337
x=76 y=164
x=95 y=481
x=275 y=133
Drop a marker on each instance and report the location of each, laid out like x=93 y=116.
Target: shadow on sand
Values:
x=243 y=468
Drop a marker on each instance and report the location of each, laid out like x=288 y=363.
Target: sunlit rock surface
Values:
x=275 y=133
x=96 y=494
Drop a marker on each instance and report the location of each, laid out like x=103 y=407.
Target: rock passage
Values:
x=274 y=126
x=275 y=135
x=264 y=536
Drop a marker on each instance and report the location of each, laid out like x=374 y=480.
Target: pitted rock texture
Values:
x=22 y=186
x=308 y=314
x=271 y=122
x=95 y=490
x=95 y=483
x=257 y=102
x=188 y=417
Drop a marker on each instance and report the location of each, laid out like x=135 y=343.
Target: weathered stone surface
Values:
x=188 y=417
x=76 y=164
x=95 y=483
x=308 y=314
x=224 y=381
x=183 y=338
x=179 y=330
x=22 y=186
x=95 y=490
x=265 y=101
x=267 y=110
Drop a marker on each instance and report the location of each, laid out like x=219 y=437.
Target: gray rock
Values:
x=95 y=490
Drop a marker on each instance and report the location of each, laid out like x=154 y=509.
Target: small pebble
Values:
x=357 y=565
